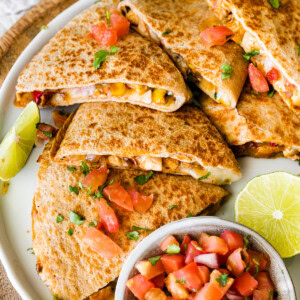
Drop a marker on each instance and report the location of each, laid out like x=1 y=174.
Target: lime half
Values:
x=270 y=205
x=18 y=142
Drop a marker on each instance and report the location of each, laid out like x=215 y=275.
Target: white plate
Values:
x=15 y=207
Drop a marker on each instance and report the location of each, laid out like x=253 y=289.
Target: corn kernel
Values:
x=118 y=89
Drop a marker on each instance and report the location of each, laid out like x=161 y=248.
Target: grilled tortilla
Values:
x=274 y=32
x=67 y=265
x=63 y=72
x=126 y=136
x=184 y=22
x=259 y=126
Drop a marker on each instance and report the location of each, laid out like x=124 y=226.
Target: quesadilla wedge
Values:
x=63 y=72
x=125 y=136
x=65 y=262
x=274 y=34
x=177 y=27
x=259 y=126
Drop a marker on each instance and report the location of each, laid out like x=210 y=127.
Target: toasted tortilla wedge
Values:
x=139 y=72
x=127 y=136
x=184 y=22
x=259 y=126
x=67 y=265
x=274 y=32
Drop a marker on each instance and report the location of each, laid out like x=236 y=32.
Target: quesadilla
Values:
x=177 y=27
x=125 y=136
x=274 y=33
x=259 y=126
x=70 y=267
x=63 y=72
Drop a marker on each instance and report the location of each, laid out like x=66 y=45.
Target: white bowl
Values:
x=194 y=226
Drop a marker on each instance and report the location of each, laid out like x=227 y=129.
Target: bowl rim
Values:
x=171 y=228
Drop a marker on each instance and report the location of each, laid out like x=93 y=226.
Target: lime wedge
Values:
x=270 y=205
x=18 y=142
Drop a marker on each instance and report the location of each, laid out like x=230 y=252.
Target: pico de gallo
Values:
x=207 y=268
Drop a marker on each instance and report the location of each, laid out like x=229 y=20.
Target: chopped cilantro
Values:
x=140 y=228
x=73 y=189
x=275 y=3
x=256 y=270
x=197 y=247
x=271 y=92
x=133 y=235
x=93 y=224
x=246 y=241
x=101 y=56
x=249 y=54
x=270 y=295
x=59 y=219
x=172 y=207
x=44 y=27
x=166 y=32
x=75 y=218
x=99 y=193
x=142 y=179
x=215 y=95
x=189 y=215
x=113 y=49
x=31 y=250
x=84 y=168
x=154 y=260
x=254 y=92
x=173 y=249
x=181 y=280
x=228 y=36
x=223 y=279
x=70 y=232
x=108 y=14
x=227 y=71
x=71 y=169
x=205 y=176
x=187 y=123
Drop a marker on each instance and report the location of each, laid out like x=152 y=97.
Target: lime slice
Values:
x=270 y=205
x=18 y=142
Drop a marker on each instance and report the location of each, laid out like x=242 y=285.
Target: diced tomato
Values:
x=99 y=225
x=235 y=263
x=155 y=294
x=159 y=281
x=245 y=284
x=120 y=24
x=184 y=244
x=169 y=240
x=45 y=131
x=192 y=251
x=212 y=244
x=36 y=95
x=217 y=35
x=257 y=79
x=141 y=203
x=273 y=75
x=262 y=295
x=253 y=258
x=103 y=35
x=232 y=239
x=139 y=286
x=101 y=243
x=59 y=118
x=215 y=276
x=94 y=179
x=189 y=276
x=149 y=271
x=230 y=295
x=107 y=215
x=264 y=282
x=172 y=263
x=175 y=288
x=204 y=273
x=117 y=194
x=192 y=296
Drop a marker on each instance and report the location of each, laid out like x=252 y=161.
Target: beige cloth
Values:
x=7 y=292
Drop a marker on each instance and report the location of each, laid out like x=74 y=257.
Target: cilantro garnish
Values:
x=173 y=249
x=73 y=189
x=215 y=96
x=140 y=228
x=154 y=260
x=205 y=176
x=187 y=123
x=70 y=232
x=254 y=92
x=44 y=27
x=30 y=249
x=181 y=280
x=189 y=215
x=99 y=193
x=172 y=207
x=223 y=279
x=249 y=54
x=101 y=56
x=108 y=14
x=197 y=247
x=227 y=71
x=271 y=92
x=133 y=235
x=197 y=103
x=84 y=168
x=59 y=219
x=75 y=218
x=166 y=32
x=71 y=169
x=274 y=3
x=246 y=241
x=256 y=270
x=93 y=224
x=142 y=179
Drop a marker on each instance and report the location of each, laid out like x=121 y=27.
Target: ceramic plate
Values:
x=15 y=206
